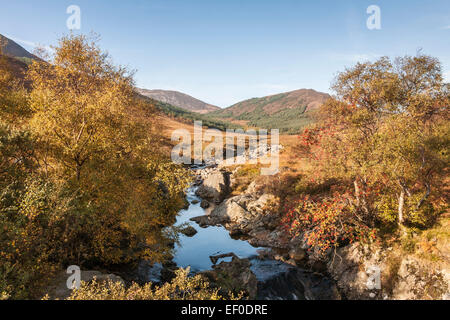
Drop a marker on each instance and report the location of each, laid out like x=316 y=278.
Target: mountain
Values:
x=289 y=111
x=180 y=100
x=12 y=49
x=186 y=116
x=16 y=57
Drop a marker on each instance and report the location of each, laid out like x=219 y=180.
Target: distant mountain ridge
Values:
x=17 y=58
x=309 y=98
x=14 y=50
x=289 y=111
x=179 y=99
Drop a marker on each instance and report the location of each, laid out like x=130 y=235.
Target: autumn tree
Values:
x=83 y=179
x=13 y=103
x=386 y=130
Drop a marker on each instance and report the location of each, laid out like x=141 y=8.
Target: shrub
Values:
x=328 y=223
x=182 y=287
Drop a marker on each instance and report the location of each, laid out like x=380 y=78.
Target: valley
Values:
x=87 y=177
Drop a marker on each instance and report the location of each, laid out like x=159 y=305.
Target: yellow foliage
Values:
x=182 y=287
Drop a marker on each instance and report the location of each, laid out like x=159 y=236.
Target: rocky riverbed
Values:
x=238 y=245
x=290 y=269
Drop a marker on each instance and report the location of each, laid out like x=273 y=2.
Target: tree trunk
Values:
x=427 y=194
x=401 y=204
x=360 y=200
x=357 y=193
x=78 y=173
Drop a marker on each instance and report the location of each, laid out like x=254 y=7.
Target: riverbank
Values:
x=230 y=260
x=252 y=215
x=239 y=245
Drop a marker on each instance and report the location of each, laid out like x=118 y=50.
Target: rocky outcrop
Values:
x=244 y=214
x=269 y=279
x=215 y=187
x=189 y=231
x=278 y=280
x=234 y=276
x=204 y=204
x=402 y=277
x=419 y=280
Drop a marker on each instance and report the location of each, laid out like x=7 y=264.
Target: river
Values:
x=194 y=252
x=276 y=279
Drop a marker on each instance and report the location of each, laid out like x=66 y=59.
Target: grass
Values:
x=244 y=176
x=184 y=115
x=288 y=121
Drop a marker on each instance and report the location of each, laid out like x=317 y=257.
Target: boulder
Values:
x=215 y=187
x=204 y=204
x=229 y=210
x=189 y=231
x=417 y=279
x=252 y=188
x=262 y=205
x=235 y=276
x=216 y=258
x=297 y=254
x=202 y=221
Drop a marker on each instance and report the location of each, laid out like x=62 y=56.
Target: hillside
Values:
x=12 y=49
x=288 y=111
x=180 y=100
x=18 y=58
x=18 y=67
x=185 y=116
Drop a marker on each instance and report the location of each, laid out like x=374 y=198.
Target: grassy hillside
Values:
x=12 y=49
x=184 y=115
x=288 y=121
x=180 y=100
x=289 y=111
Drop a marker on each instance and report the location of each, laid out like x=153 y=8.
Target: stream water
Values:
x=194 y=252
x=276 y=280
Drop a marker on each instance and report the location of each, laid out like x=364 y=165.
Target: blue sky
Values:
x=229 y=50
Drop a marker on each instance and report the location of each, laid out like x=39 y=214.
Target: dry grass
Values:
x=288 y=159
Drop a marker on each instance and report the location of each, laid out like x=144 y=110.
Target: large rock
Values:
x=229 y=210
x=402 y=276
x=417 y=280
x=243 y=207
x=262 y=237
x=215 y=187
x=235 y=276
x=203 y=221
x=253 y=188
x=263 y=204
x=189 y=231
x=204 y=204
x=280 y=281
x=297 y=254
x=244 y=214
